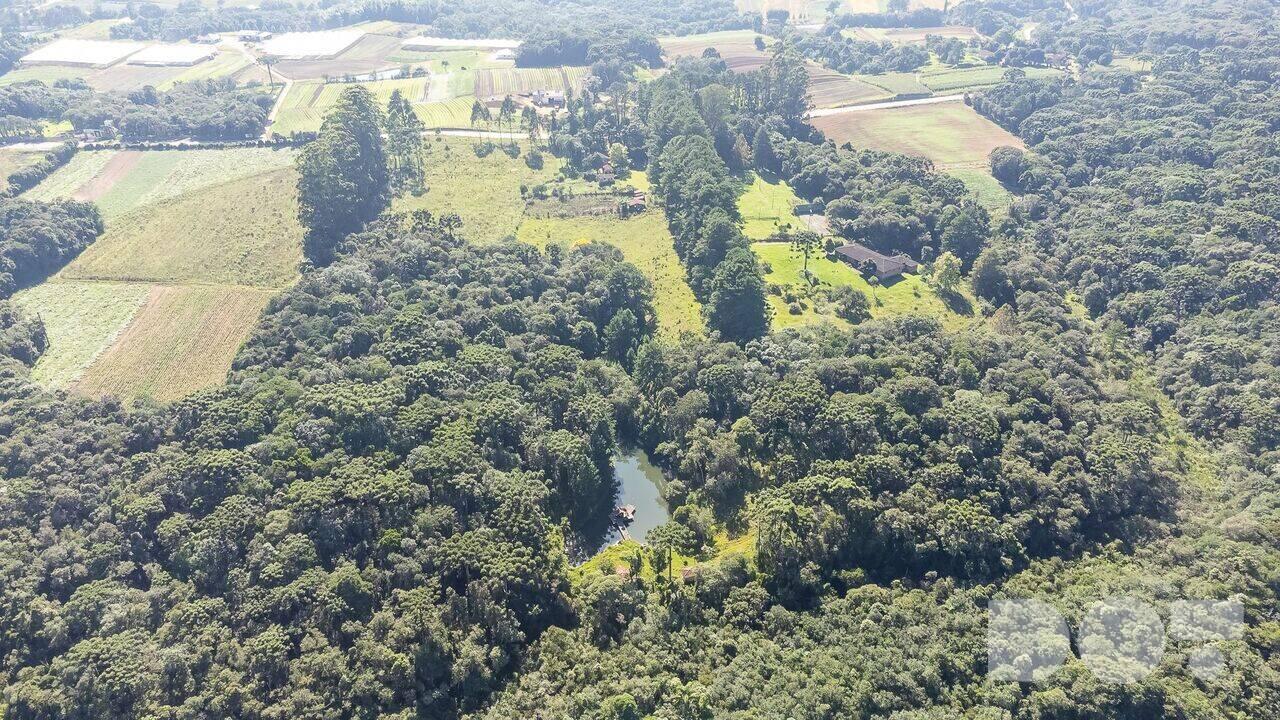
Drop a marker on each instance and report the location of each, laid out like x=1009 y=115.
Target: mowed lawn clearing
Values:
x=768 y=207
x=904 y=295
x=181 y=340
x=646 y=243
x=484 y=192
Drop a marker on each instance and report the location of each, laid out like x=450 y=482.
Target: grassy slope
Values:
x=484 y=192
x=11 y=162
x=646 y=243
x=196 y=243
x=242 y=232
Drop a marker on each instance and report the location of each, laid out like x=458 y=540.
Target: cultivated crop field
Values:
x=952 y=80
x=195 y=243
x=306 y=103
x=646 y=243
x=830 y=89
x=948 y=133
x=737 y=47
x=897 y=84
x=484 y=192
x=370 y=53
x=514 y=81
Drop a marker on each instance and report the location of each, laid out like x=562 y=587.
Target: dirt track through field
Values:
x=116 y=168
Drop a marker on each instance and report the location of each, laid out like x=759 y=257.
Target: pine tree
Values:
x=737 y=307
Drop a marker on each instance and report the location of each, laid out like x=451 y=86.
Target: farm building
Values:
x=173 y=55
x=866 y=260
x=423 y=43
x=253 y=35
x=311 y=45
x=82 y=53
x=503 y=55
x=548 y=98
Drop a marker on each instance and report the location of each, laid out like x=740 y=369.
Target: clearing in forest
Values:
x=794 y=304
x=767 y=207
x=483 y=191
x=196 y=242
x=646 y=243
x=736 y=47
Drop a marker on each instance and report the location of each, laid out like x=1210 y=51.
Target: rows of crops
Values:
x=516 y=81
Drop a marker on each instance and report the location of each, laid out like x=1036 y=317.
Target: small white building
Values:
x=424 y=43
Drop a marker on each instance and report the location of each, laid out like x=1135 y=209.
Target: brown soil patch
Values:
x=116 y=168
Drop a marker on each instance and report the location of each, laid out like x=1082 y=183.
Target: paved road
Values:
x=824 y=112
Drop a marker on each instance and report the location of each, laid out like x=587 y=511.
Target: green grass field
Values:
x=948 y=133
x=944 y=80
x=242 y=232
x=908 y=294
x=990 y=193
x=484 y=192
x=12 y=161
x=514 y=81
x=896 y=83
x=306 y=103
x=646 y=243
x=767 y=207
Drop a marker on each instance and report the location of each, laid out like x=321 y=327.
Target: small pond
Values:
x=639 y=484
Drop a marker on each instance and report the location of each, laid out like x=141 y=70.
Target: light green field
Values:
x=908 y=294
x=48 y=74
x=767 y=207
x=990 y=193
x=484 y=192
x=948 y=133
x=514 y=81
x=155 y=176
x=243 y=232
x=11 y=162
x=82 y=319
x=896 y=83
x=941 y=79
x=306 y=103
x=646 y=243
x=224 y=65
x=453 y=113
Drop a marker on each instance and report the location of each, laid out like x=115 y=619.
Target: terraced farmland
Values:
x=196 y=242
x=515 y=81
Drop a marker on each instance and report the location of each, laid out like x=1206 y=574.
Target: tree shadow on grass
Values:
x=956 y=303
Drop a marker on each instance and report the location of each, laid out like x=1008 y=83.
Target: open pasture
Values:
x=897 y=84
x=11 y=161
x=948 y=133
x=737 y=47
x=306 y=103
x=768 y=207
x=785 y=266
x=483 y=191
x=646 y=243
x=515 y=81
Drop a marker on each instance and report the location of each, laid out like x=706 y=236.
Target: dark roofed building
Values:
x=864 y=259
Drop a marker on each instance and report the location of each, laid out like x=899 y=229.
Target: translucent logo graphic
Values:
x=1120 y=639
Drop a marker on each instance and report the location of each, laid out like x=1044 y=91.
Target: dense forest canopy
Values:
x=392 y=507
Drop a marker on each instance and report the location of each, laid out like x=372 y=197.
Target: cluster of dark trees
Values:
x=602 y=21
x=700 y=116
x=889 y=202
x=204 y=110
x=12 y=47
x=37 y=239
x=563 y=47
x=211 y=110
x=849 y=55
